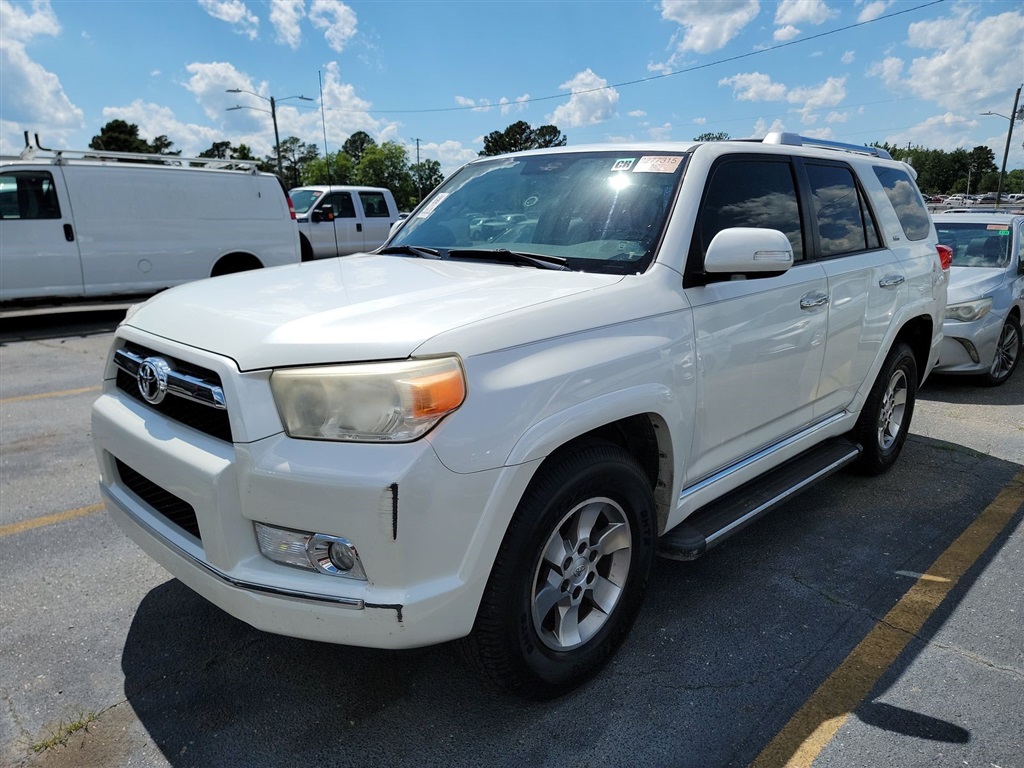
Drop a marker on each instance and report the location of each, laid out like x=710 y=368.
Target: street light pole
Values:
x=273 y=117
x=1009 y=133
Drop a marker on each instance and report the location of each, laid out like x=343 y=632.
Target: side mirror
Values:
x=746 y=250
x=323 y=213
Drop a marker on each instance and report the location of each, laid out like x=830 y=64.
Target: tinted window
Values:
x=374 y=205
x=28 y=195
x=840 y=211
x=752 y=193
x=906 y=201
x=343 y=207
x=976 y=245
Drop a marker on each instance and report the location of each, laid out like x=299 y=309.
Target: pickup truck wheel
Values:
x=1008 y=350
x=885 y=421
x=570 y=575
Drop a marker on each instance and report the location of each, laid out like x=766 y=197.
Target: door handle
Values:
x=813 y=300
x=69 y=233
x=359 y=227
x=891 y=281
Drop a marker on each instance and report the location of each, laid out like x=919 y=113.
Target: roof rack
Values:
x=795 y=140
x=63 y=156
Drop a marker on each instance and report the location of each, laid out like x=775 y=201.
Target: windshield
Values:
x=597 y=211
x=303 y=199
x=976 y=244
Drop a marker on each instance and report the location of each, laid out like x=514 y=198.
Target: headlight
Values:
x=375 y=402
x=969 y=310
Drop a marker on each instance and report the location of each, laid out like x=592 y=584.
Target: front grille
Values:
x=197 y=415
x=173 y=509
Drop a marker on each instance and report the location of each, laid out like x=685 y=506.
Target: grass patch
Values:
x=63 y=730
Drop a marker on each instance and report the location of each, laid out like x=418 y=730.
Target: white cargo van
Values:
x=88 y=224
x=338 y=221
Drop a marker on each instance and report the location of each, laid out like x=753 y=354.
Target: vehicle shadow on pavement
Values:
x=726 y=649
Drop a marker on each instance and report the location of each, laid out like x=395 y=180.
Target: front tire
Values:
x=885 y=421
x=1008 y=350
x=570 y=575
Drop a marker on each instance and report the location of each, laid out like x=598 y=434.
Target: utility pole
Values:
x=273 y=117
x=1014 y=117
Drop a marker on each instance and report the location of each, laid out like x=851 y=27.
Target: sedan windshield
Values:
x=976 y=244
x=591 y=211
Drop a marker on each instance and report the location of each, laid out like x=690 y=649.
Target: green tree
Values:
x=425 y=176
x=119 y=136
x=220 y=150
x=295 y=156
x=356 y=145
x=331 y=169
x=161 y=145
x=712 y=136
x=519 y=137
x=387 y=165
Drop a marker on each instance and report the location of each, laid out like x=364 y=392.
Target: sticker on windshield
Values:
x=658 y=164
x=1000 y=228
x=623 y=165
x=438 y=199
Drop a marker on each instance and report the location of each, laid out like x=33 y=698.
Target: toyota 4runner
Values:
x=561 y=364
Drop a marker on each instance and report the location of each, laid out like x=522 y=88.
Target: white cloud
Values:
x=505 y=104
x=700 y=120
x=31 y=98
x=872 y=9
x=755 y=86
x=787 y=32
x=286 y=17
x=336 y=19
x=660 y=132
x=828 y=94
x=709 y=26
x=837 y=117
x=591 y=101
x=762 y=129
x=209 y=83
x=156 y=120
x=847 y=57
x=966 y=64
x=637 y=113
x=948 y=131
x=801 y=11
x=235 y=13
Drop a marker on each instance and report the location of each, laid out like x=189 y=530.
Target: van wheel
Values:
x=235 y=262
x=1008 y=350
x=885 y=421
x=570 y=575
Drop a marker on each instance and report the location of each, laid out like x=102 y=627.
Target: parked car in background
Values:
x=565 y=361
x=80 y=224
x=982 y=329
x=338 y=221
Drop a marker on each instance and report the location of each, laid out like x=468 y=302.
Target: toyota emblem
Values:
x=152 y=379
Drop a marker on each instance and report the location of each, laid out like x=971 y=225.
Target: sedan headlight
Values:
x=969 y=310
x=374 y=402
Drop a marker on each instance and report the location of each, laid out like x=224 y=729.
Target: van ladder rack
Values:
x=64 y=156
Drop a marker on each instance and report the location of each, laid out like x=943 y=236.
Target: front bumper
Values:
x=959 y=340
x=426 y=535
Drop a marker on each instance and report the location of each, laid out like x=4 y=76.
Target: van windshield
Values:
x=594 y=211
x=303 y=199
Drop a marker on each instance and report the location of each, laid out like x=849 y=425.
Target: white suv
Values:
x=488 y=433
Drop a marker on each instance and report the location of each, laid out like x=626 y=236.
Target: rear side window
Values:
x=906 y=201
x=28 y=195
x=374 y=204
x=844 y=222
x=752 y=193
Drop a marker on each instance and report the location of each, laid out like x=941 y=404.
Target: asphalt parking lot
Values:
x=870 y=622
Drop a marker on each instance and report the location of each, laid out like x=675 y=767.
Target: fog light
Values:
x=971 y=350
x=333 y=555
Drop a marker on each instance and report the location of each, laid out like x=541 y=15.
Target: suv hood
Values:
x=349 y=309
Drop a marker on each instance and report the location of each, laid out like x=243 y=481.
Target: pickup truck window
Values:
x=28 y=195
x=374 y=205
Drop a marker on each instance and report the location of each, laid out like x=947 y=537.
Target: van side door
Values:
x=40 y=255
x=377 y=218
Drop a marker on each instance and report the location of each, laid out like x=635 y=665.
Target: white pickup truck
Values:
x=487 y=432
x=339 y=221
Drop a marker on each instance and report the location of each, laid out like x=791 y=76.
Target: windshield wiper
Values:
x=412 y=250
x=539 y=260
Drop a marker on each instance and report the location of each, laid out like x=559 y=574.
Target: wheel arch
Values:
x=236 y=261
x=917 y=334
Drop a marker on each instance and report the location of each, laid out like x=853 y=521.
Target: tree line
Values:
x=361 y=160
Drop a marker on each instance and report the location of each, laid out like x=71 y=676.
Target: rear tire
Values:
x=1008 y=350
x=570 y=576
x=885 y=421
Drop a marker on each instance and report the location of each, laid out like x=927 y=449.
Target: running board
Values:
x=723 y=517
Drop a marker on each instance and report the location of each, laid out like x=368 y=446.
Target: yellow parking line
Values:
x=42 y=395
x=57 y=517
x=807 y=733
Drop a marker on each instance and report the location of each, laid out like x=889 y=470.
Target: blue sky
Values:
x=448 y=73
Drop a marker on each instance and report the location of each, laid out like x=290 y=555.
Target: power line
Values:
x=651 y=78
